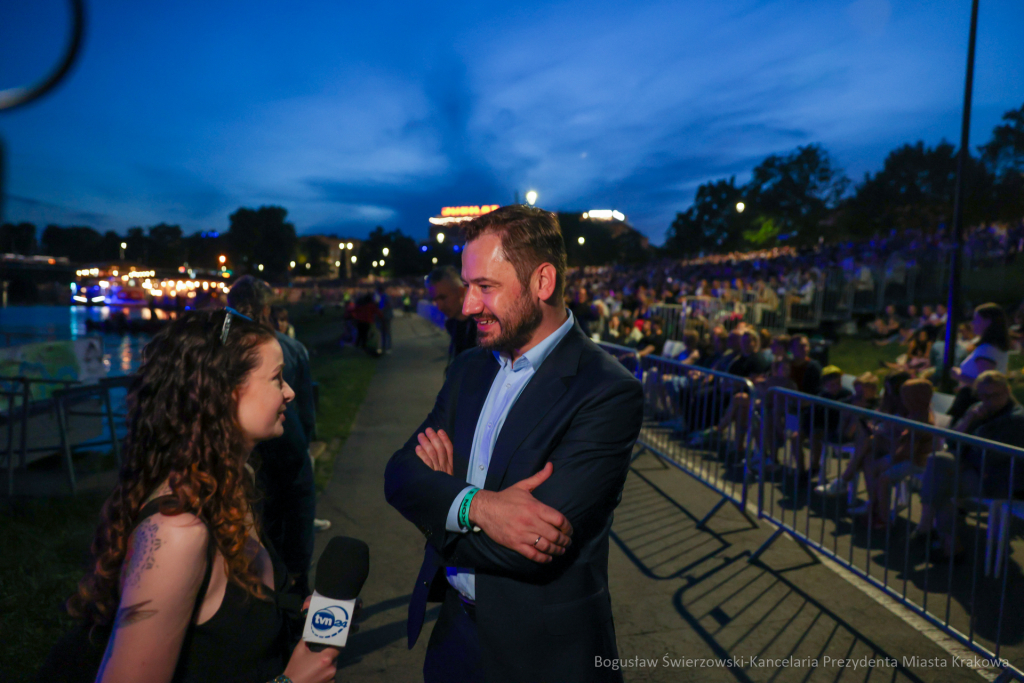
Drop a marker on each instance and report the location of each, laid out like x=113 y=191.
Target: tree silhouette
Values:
x=262 y=236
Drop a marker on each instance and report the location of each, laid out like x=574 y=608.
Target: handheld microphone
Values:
x=340 y=574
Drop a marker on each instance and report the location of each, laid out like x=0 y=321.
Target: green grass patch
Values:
x=45 y=553
x=344 y=376
x=343 y=373
x=855 y=356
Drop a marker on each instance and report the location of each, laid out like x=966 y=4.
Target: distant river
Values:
x=121 y=354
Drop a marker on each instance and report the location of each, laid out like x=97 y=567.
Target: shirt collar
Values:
x=535 y=356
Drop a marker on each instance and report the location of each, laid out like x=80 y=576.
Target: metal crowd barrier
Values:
x=70 y=399
x=692 y=421
x=698 y=421
x=973 y=596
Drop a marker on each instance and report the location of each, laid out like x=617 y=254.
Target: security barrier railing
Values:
x=896 y=477
x=699 y=421
x=946 y=557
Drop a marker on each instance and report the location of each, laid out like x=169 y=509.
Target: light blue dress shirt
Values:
x=508 y=384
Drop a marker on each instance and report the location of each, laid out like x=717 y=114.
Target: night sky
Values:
x=352 y=114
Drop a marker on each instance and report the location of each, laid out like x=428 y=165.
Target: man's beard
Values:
x=517 y=326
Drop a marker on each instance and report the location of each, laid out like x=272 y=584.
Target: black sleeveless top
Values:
x=245 y=641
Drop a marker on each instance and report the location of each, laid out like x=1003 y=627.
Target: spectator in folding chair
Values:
x=804 y=370
x=997 y=417
x=774 y=412
x=909 y=453
x=821 y=423
x=853 y=429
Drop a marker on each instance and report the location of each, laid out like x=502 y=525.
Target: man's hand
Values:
x=515 y=519
x=436 y=450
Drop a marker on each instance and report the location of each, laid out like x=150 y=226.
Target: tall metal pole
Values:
x=956 y=257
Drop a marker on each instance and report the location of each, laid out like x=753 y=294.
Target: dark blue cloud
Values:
x=355 y=114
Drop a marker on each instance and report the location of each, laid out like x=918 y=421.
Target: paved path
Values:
x=678 y=592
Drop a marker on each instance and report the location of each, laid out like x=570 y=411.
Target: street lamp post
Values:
x=531 y=197
x=955 y=262
x=124 y=245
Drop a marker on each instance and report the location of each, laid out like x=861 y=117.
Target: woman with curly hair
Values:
x=181 y=578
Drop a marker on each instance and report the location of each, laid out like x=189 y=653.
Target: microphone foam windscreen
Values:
x=342 y=568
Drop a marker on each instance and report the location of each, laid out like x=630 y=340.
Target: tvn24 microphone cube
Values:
x=340 y=573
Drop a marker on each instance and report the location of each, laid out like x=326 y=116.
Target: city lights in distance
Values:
x=531 y=197
x=604 y=215
x=581 y=239
x=452 y=211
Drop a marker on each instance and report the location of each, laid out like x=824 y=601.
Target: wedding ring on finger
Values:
x=537 y=541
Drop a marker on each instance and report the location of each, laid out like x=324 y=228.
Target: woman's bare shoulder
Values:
x=164 y=541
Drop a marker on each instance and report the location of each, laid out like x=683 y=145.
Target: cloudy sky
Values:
x=352 y=115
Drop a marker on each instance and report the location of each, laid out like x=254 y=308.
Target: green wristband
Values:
x=464 y=508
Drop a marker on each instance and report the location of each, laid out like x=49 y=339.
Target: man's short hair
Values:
x=250 y=296
x=441 y=273
x=994 y=377
x=529 y=237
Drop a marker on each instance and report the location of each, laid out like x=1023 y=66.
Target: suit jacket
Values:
x=581 y=411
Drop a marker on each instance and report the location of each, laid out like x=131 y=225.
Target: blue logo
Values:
x=330 y=621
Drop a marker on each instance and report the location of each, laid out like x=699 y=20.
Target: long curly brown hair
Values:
x=182 y=429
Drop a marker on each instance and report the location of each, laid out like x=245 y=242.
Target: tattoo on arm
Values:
x=132 y=614
x=141 y=554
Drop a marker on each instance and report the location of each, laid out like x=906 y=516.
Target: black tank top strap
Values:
x=153 y=507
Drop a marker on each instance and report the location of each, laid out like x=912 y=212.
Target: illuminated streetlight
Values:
x=374 y=264
x=124 y=245
x=353 y=259
x=382 y=263
x=440 y=238
x=740 y=206
x=291 y=264
x=261 y=267
x=341 y=245
x=223 y=259
x=531 y=197
x=348 y=246
x=337 y=264
x=384 y=251
x=581 y=239
x=433 y=260
x=308 y=266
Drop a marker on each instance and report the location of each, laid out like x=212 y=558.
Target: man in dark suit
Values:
x=517 y=504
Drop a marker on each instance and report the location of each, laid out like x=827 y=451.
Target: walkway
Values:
x=678 y=592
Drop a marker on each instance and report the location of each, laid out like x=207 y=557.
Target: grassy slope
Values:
x=44 y=544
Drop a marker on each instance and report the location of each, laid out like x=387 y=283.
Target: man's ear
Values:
x=545 y=279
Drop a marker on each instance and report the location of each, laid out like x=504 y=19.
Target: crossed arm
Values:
x=566 y=502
